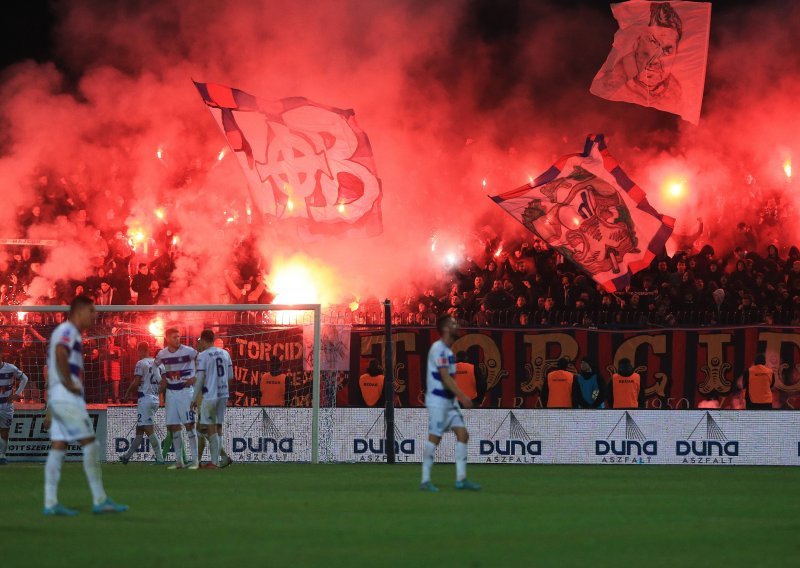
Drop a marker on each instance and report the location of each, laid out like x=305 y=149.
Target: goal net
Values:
x=277 y=358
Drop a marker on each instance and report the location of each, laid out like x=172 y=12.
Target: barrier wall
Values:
x=506 y=436
x=29 y=440
x=680 y=366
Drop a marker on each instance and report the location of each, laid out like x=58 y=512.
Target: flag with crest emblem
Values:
x=307 y=164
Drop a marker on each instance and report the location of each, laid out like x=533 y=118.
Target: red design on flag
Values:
x=589 y=210
x=306 y=163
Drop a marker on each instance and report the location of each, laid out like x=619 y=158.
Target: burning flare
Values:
x=156 y=328
x=674 y=190
x=302 y=280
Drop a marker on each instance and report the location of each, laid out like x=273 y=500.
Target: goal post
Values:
x=260 y=332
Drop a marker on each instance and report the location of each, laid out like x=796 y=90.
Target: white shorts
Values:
x=6 y=415
x=444 y=418
x=146 y=409
x=179 y=407
x=71 y=422
x=212 y=410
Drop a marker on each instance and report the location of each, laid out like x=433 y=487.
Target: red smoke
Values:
x=446 y=102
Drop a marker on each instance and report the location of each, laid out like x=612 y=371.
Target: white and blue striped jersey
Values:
x=8 y=373
x=218 y=368
x=68 y=336
x=150 y=376
x=440 y=355
x=178 y=366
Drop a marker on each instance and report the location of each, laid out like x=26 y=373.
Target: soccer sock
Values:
x=155 y=447
x=165 y=444
x=3 y=446
x=461 y=461
x=427 y=460
x=177 y=441
x=91 y=466
x=192 y=435
x=201 y=444
x=134 y=445
x=213 y=441
x=52 y=474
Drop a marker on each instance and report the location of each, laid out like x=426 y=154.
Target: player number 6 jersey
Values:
x=218 y=368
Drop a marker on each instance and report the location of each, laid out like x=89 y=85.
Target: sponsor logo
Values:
x=121 y=445
x=371 y=447
x=626 y=443
x=512 y=445
x=263 y=442
x=29 y=440
x=707 y=444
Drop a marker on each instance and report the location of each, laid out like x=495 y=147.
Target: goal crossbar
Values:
x=316 y=308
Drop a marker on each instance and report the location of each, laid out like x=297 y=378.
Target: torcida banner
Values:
x=681 y=367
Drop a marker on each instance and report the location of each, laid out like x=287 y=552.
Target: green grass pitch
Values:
x=373 y=515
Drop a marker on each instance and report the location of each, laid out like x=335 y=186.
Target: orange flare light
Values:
x=156 y=328
x=787 y=169
x=674 y=190
x=302 y=280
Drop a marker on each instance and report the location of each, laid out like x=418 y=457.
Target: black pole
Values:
x=388 y=384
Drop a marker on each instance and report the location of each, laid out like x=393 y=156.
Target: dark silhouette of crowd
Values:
x=527 y=284
x=516 y=284
x=504 y=282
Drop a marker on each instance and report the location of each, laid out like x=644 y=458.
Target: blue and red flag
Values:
x=306 y=163
x=590 y=211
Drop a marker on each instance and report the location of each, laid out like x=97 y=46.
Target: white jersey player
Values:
x=214 y=373
x=8 y=374
x=178 y=382
x=66 y=410
x=147 y=383
x=441 y=397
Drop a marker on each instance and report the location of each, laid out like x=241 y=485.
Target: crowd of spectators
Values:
x=531 y=285
x=514 y=284
x=503 y=282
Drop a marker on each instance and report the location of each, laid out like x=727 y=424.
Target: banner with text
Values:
x=29 y=439
x=505 y=436
x=681 y=367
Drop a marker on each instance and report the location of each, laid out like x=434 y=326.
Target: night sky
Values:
x=28 y=34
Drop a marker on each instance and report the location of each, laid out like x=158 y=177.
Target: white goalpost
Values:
x=264 y=340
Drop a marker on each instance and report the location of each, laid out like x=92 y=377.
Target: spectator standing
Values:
x=140 y=284
x=627 y=387
x=591 y=389
x=470 y=379
x=758 y=382
x=560 y=388
x=371 y=384
x=274 y=385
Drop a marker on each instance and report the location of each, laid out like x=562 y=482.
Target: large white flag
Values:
x=659 y=56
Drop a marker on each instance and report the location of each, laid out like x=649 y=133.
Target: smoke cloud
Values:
x=451 y=94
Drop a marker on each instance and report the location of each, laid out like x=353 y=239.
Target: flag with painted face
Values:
x=590 y=211
x=306 y=164
x=659 y=57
